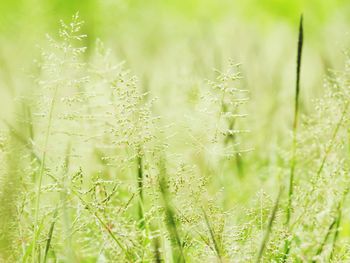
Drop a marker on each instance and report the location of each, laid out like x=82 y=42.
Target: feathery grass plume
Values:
x=116 y=123
x=334 y=226
x=228 y=100
x=58 y=72
x=111 y=228
x=331 y=143
x=129 y=125
x=222 y=107
x=105 y=226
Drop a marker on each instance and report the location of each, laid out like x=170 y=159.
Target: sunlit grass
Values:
x=160 y=145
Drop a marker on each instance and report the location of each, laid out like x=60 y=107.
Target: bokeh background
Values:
x=174 y=45
x=161 y=41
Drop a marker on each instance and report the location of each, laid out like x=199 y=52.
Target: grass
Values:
x=295 y=127
x=295 y=121
x=269 y=226
x=213 y=238
x=95 y=169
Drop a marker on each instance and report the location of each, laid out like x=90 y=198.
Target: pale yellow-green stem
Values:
x=41 y=173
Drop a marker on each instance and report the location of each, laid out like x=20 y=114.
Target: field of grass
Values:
x=174 y=131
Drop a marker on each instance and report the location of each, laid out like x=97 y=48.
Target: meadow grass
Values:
x=95 y=168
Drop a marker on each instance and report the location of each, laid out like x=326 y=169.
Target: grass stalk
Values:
x=338 y=221
x=295 y=129
x=41 y=173
x=49 y=236
x=202 y=237
x=295 y=121
x=336 y=234
x=329 y=231
x=269 y=227
x=178 y=254
x=213 y=238
x=232 y=137
x=104 y=225
x=140 y=189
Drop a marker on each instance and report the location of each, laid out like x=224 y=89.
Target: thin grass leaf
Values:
x=338 y=221
x=49 y=236
x=295 y=127
x=269 y=227
x=213 y=238
x=140 y=188
x=336 y=234
x=295 y=121
x=178 y=253
x=329 y=231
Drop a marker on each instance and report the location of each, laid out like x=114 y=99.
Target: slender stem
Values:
x=140 y=189
x=295 y=128
x=320 y=249
x=336 y=234
x=212 y=235
x=170 y=217
x=49 y=236
x=269 y=226
x=105 y=226
x=331 y=143
x=338 y=220
x=41 y=173
x=295 y=122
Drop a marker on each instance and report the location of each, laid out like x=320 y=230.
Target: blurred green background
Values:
x=149 y=33
x=173 y=46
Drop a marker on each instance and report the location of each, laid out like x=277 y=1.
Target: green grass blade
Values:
x=295 y=122
x=269 y=227
x=295 y=128
x=178 y=253
x=212 y=235
x=329 y=231
x=49 y=236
